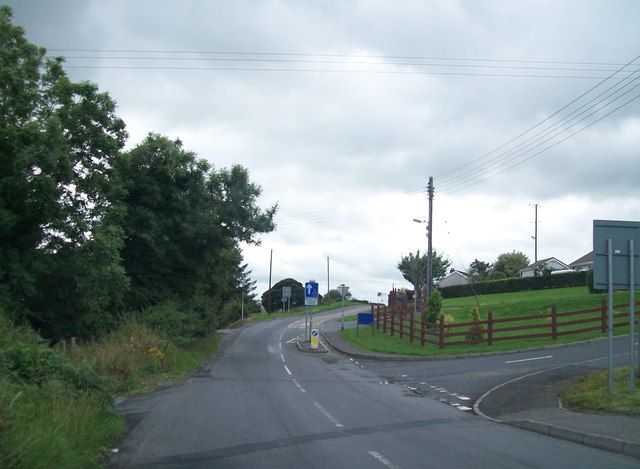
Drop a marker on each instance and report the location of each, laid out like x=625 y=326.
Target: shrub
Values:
x=476 y=330
x=510 y=285
x=178 y=323
x=433 y=307
x=128 y=353
x=448 y=320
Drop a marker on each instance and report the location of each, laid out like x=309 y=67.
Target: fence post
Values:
x=412 y=320
x=422 y=330
x=377 y=316
x=490 y=328
x=393 y=321
x=384 y=320
x=402 y=324
x=554 y=323
x=441 y=333
x=603 y=315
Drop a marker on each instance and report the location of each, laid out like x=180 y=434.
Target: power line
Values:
x=494 y=67
x=479 y=170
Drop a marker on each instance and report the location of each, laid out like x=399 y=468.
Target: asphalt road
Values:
x=264 y=403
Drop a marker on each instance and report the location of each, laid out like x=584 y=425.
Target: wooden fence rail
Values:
x=399 y=319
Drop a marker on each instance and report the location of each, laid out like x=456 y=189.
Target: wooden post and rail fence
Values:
x=398 y=319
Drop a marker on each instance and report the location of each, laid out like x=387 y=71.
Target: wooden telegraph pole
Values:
x=430 y=191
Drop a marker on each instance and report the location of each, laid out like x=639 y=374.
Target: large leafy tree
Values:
x=184 y=222
x=59 y=235
x=275 y=294
x=414 y=268
x=479 y=270
x=509 y=265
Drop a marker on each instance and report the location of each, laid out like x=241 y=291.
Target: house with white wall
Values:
x=550 y=264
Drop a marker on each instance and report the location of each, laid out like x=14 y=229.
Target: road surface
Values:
x=264 y=403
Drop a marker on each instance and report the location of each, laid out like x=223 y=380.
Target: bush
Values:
x=178 y=323
x=448 y=320
x=53 y=412
x=476 y=330
x=433 y=307
x=128 y=353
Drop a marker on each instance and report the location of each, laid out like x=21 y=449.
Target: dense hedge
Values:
x=510 y=285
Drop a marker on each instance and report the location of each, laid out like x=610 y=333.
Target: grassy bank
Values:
x=56 y=408
x=591 y=394
x=505 y=305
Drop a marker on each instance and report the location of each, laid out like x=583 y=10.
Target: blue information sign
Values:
x=311 y=294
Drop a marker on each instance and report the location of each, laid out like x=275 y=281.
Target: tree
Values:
x=479 y=270
x=414 y=268
x=333 y=296
x=509 y=265
x=59 y=232
x=184 y=222
x=439 y=266
x=297 y=294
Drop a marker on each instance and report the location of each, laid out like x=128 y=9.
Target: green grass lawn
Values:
x=505 y=305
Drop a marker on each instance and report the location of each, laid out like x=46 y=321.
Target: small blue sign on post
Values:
x=311 y=294
x=366 y=319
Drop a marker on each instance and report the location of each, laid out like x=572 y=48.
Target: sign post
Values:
x=310 y=299
x=286 y=298
x=343 y=289
x=614 y=266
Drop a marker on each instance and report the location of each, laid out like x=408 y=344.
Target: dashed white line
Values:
x=328 y=415
x=383 y=460
x=287 y=370
x=299 y=387
x=530 y=359
x=282 y=357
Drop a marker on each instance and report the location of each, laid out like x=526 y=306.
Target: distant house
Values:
x=583 y=263
x=455 y=277
x=550 y=264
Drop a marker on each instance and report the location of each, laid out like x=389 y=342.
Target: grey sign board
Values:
x=286 y=293
x=620 y=233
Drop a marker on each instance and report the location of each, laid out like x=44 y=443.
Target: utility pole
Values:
x=535 y=233
x=328 y=276
x=270 y=267
x=430 y=192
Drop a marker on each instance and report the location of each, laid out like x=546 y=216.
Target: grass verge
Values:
x=56 y=409
x=591 y=394
x=506 y=305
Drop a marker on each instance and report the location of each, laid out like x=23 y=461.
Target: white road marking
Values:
x=530 y=359
x=383 y=460
x=299 y=387
x=282 y=357
x=292 y=340
x=287 y=370
x=464 y=407
x=328 y=415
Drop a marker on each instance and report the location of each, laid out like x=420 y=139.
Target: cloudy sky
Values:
x=341 y=110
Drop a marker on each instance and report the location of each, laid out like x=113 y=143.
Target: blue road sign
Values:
x=311 y=294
